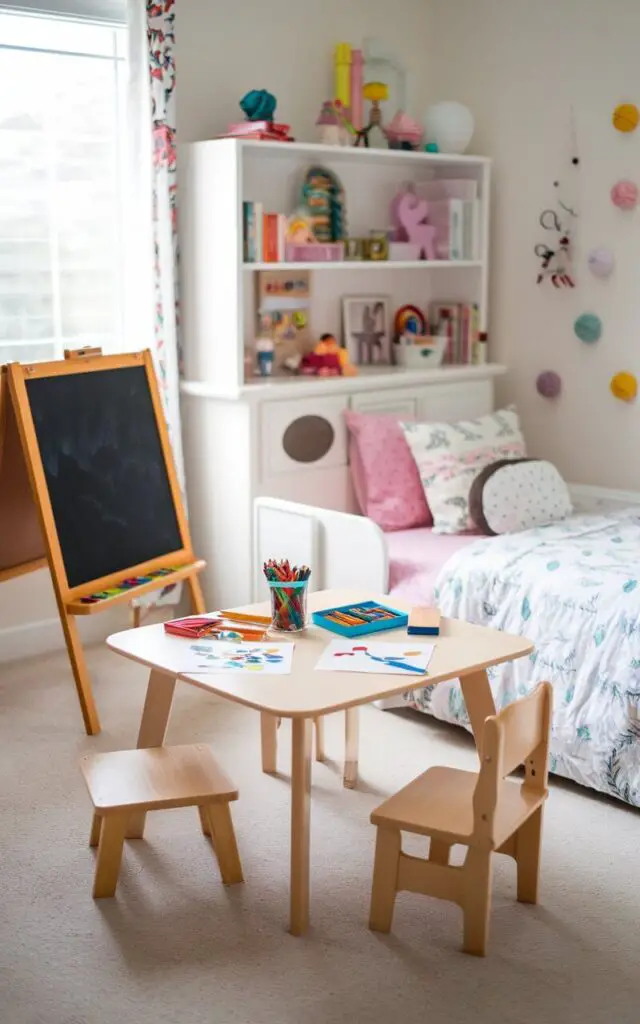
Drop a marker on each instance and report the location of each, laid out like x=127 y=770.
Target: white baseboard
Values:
x=45 y=636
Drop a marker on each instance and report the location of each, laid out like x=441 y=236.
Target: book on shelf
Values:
x=457 y=224
x=252 y=232
x=460 y=322
x=264 y=234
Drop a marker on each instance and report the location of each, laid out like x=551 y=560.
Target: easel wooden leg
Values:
x=136 y=616
x=197 y=597
x=351 y=723
x=269 y=739
x=300 y=824
x=153 y=726
x=80 y=673
x=479 y=701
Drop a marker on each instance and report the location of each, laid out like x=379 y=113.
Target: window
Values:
x=62 y=183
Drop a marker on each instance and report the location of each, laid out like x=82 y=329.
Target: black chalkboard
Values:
x=105 y=470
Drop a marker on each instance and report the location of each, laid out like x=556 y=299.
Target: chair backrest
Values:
x=518 y=735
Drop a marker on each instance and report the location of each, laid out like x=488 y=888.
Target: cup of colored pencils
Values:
x=288 y=588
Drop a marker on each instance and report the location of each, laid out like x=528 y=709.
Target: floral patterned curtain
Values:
x=152 y=110
x=162 y=83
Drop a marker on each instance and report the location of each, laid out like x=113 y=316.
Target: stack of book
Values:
x=460 y=322
x=454 y=211
x=264 y=234
x=270 y=130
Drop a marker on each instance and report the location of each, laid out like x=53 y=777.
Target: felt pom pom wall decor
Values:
x=588 y=327
x=624 y=386
x=625 y=117
x=549 y=384
x=624 y=195
x=601 y=261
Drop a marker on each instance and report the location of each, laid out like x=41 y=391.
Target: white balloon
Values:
x=450 y=125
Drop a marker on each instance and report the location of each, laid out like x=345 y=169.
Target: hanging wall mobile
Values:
x=555 y=251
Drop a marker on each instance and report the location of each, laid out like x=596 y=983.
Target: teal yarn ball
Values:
x=588 y=327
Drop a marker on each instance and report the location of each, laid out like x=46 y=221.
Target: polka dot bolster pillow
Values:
x=449 y=457
x=512 y=495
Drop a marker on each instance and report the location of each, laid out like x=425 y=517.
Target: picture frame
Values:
x=366 y=325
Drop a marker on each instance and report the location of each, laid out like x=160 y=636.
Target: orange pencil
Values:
x=258 y=620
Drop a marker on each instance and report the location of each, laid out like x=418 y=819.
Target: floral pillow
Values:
x=449 y=456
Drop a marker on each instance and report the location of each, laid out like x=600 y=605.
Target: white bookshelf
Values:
x=218 y=288
x=238 y=434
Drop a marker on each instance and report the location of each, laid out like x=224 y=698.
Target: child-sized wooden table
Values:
x=461 y=651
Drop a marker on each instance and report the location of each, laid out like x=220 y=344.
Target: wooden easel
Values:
x=28 y=532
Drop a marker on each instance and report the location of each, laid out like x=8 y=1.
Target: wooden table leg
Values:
x=479 y=700
x=153 y=726
x=300 y=814
x=269 y=741
x=351 y=723
x=319 y=727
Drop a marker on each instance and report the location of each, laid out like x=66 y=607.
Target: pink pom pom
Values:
x=624 y=195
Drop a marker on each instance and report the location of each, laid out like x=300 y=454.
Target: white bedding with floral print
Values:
x=573 y=588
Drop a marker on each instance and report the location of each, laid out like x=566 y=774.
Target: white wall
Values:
x=226 y=47
x=520 y=65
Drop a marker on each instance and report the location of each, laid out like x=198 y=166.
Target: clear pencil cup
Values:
x=288 y=606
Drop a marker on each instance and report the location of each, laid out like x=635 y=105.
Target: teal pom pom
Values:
x=588 y=327
x=258 y=105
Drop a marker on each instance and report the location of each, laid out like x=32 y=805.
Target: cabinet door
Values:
x=450 y=402
x=302 y=435
x=402 y=403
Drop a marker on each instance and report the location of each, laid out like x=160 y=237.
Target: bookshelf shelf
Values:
x=369 y=265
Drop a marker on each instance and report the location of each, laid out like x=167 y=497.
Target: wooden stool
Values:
x=486 y=813
x=123 y=781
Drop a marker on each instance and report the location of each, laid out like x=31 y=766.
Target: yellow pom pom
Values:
x=624 y=386
x=626 y=117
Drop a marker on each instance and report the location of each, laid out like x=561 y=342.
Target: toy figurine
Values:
x=335 y=126
x=328 y=359
x=265 y=354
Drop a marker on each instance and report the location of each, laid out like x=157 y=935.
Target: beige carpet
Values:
x=174 y=946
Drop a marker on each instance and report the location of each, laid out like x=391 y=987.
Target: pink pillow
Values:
x=384 y=473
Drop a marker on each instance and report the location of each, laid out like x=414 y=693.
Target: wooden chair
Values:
x=485 y=812
x=125 y=781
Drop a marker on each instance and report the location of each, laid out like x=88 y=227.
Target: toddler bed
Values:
x=572 y=587
x=455 y=514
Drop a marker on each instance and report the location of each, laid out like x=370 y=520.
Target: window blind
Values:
x=112 y=12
